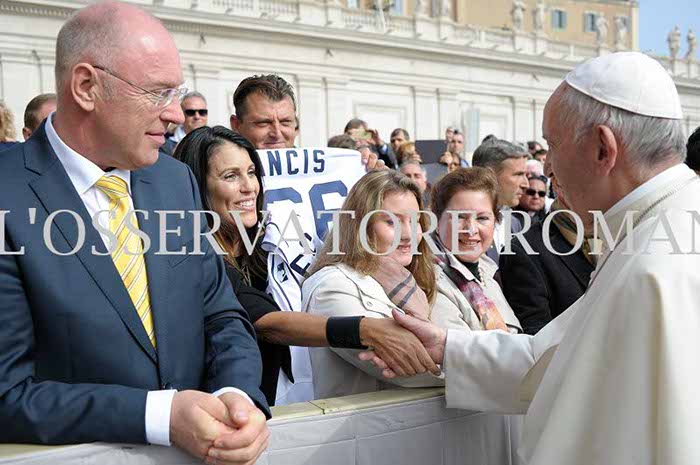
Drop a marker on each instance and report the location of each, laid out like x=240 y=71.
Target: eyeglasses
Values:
x=533 y=192
x=160 y=98
x=202 y=112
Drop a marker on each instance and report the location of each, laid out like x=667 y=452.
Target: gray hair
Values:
x=193 y=94
x=536 y=166
x=647 y=140
x=413 y=162
x=493 y=152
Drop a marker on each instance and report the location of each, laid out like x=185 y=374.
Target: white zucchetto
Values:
x=632 y=81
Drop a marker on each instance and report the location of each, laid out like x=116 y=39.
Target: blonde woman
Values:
x=7 y=127
x=360 y=283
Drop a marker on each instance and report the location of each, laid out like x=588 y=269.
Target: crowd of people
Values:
x=194 y=351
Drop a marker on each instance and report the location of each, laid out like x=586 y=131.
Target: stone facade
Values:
x=422 y=73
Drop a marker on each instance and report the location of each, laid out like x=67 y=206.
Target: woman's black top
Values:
x=258 y=304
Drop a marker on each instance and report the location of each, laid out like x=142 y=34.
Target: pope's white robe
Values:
x=615 y=378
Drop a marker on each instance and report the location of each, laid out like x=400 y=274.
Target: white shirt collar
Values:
x=179 y=134
x=82 y=172
x=651 y=185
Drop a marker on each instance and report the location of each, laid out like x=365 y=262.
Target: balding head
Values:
x=105 y=34
x=118 y=84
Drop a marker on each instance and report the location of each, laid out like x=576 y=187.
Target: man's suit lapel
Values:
x=579 y=266
x=146 y=197
x=56 y=192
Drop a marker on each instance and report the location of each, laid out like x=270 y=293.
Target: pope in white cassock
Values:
x=615 y=378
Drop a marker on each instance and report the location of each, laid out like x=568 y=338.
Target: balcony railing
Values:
x=365 y=20
x=333 y=14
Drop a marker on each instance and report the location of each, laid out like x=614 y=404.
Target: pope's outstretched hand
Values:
x=430 y=335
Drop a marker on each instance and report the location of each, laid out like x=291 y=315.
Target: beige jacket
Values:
x=339 y=290
x=454 y=306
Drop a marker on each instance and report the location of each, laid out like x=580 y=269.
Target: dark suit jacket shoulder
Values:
x=77 y=364
x=168 y=148
x=540 y=287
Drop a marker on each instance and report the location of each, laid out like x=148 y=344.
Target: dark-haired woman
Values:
x=464 y=202
x=229 y=173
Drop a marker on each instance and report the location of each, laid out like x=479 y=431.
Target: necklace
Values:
x=481 y=277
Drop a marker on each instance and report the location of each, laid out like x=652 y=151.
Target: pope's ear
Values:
x=608 y=149
x=83 y=86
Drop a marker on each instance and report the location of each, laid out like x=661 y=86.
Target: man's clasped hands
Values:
x=222 y=430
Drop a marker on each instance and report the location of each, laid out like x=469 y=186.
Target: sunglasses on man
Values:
x=202 y=112
x=533 y=192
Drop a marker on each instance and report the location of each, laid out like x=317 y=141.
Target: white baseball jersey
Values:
x=301 y=182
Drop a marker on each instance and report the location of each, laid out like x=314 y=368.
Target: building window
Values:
x=558 y=19
x=353 y=3
x=397 y=7
x=589 y=22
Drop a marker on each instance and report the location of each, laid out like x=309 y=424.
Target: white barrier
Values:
x=403 y=427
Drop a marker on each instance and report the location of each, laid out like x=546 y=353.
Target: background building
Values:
x=571 y=21
x=460 y=63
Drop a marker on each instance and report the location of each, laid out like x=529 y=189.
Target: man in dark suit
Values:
x=194 y=106
x=100 y=342
x=540 y=287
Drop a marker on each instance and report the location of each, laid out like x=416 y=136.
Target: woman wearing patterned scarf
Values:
x=464 y=202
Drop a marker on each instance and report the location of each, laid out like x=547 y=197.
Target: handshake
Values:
x=219 y=430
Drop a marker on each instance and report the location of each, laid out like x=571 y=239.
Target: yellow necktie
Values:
x=127 y=255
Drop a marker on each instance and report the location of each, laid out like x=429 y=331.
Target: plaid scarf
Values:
x=401 y=288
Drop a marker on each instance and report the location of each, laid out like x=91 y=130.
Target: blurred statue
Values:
x=692 y=44
x=674 y=42
x=446 y=8
x=539 y=16
x=620 y=33
x=419 y=8
x=601 y=27
x=518 y=13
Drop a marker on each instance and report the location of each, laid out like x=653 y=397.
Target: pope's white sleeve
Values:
x=484 y=370
x=494 y=371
